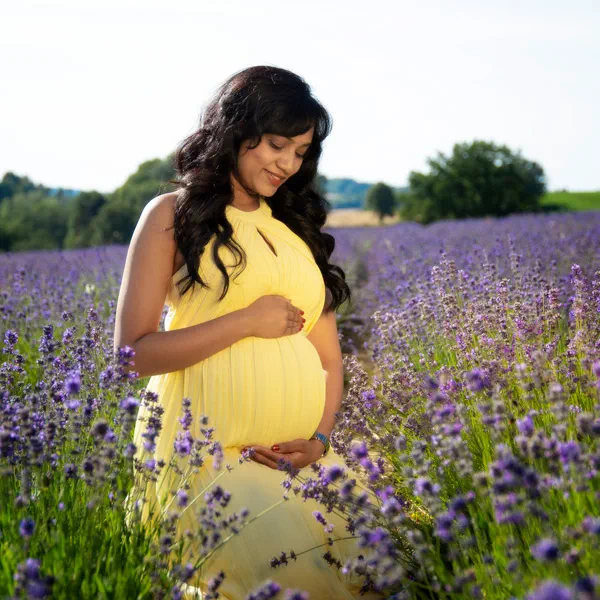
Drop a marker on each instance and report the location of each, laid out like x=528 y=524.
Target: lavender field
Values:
x=472 y=409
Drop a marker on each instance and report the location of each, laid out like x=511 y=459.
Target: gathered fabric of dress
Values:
x=256 y=391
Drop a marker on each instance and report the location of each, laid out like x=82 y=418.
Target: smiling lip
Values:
x=274 y=179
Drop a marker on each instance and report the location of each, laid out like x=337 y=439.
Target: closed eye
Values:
x=278 y=148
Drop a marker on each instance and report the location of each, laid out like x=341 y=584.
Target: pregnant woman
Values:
x=250 y=338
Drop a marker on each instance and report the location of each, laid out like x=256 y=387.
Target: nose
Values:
x=285 y=165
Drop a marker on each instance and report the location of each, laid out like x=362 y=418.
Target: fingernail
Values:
x=275 y=448
x=301 y=312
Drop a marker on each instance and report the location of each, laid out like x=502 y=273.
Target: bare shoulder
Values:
x=161 y=210
x=148 y=271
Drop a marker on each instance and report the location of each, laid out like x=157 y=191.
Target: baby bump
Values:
x=260 y=391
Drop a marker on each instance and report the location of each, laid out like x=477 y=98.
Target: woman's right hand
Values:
x=273 y=316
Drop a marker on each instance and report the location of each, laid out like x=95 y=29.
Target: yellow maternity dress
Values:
x=256 y=391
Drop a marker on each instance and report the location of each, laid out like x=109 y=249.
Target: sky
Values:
x=91 y=89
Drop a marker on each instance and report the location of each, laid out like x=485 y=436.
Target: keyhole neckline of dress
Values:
x=262 y=211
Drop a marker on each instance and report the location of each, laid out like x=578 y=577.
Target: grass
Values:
x=572 y=200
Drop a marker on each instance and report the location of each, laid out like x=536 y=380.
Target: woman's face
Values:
x=275 y=155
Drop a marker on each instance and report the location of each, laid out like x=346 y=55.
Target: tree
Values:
x=35 y=217
x=479 y=179
x=12 y=184
x=84 y=207
x=321 y=184
x=150 y=180
x=380 y=199
x=114 y=224
x=31 y=221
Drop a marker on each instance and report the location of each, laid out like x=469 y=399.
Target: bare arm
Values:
x=165 y=351
x=325 y=338
x=146 y=277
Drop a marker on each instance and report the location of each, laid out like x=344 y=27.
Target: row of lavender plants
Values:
x=480 y=403
x=472 y=411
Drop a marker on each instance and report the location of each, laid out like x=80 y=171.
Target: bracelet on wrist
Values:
x=323 y=439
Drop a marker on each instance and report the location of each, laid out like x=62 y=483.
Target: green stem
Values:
x=200 y=493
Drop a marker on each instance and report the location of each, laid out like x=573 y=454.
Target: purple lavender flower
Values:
x=525 y=426
x=586 y=588
x=125 y=354
x=182 y=498
x=26 y=527
x=445 y=411
x=129 y=450
x=551 y=590
x=359 y=450
x=333 y=473
x=591 y=525
x=29 y=580
x=424 y=487
x=187 y=571
x=100 y=428
x=296 y=595
x=477 y=380
x=569 y=452
x=368 y=398
x=319 y=517
x=183 y=443
x=150 y=464
x=129 y=405
x=73 y=383
x=70 y=470
x=443 y=528
x=11 y=337
x=545 y=550
x=267 y=590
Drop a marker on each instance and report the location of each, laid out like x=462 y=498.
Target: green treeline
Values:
x=35 y=217
x=31 y=217
x=478 y=179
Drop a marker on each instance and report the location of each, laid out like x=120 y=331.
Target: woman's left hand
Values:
x=299 y=452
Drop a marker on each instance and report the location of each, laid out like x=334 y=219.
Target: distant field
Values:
x=357 y=217
x=573 y=200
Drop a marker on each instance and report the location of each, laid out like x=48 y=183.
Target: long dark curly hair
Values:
x=255 y=101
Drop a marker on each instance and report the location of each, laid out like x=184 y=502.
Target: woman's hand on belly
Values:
x=298 y=452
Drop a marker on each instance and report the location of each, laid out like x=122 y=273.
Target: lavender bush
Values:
x=472 y=410
x=476 y=412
